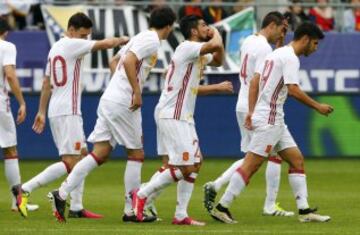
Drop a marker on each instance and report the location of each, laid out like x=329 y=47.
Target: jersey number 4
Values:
x=269 y=64
x=243 y=74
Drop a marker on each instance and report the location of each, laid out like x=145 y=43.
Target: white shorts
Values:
x=7 y=130
x=245 y=133
x=270 y=138
x=116 y=123
x=178 y=140
x=68 y=134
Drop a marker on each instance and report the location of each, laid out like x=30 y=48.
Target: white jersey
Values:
x=145 y=46
x=178 y=98
x=7 y=57
x=281 y=67
x=64 y=69
x=253 y=52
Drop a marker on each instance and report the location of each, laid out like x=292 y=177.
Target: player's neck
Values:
x=264 y=33
x=296 y=47
x=160 y=32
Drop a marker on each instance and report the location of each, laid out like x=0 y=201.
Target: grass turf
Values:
x=333 y=185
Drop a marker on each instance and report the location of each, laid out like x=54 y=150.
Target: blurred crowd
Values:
x=26 y=14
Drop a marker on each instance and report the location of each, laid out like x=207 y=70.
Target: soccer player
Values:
x=253 y=52
x=7 y=126
x=278 y=79
x=119 y=113
x=177 y=136
x=62 y=82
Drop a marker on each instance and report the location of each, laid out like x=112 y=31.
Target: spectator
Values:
x=241 y=5
x=295 y=14
x=214 y=13
x=322 y=15
x=191 y=9
x=352 y=17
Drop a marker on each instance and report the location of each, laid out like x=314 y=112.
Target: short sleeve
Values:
x=79 y=47
x=260 y=59
x=9 y=57
x=145 y=47
x=291 y=70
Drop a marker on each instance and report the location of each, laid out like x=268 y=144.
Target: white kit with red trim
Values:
x=252 y=55
x=281 y=67
x=178 y=97
x=64 y=70
x=7 y=57
x=145 y=46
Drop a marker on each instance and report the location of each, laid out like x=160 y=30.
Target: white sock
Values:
x=132 y=180
x=298 y=184
x=152 y=197
x=164 y=179
x=76 y=197
x=236 y=185
x=272 y=175
x=78 y=174
x=12 y=171
x=184 y=190
x=226 y=176
x=48 y=175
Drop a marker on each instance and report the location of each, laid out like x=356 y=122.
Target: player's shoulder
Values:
x=7 y=46
x=148 y=36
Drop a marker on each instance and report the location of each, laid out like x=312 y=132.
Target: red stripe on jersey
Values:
x=75 y=89
x=181 y=95
x=274 y=98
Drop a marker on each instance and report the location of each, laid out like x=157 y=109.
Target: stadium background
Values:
x=331 y=75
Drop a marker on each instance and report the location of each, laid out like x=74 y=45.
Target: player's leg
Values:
x=272 y=176
x=239 y=180
x=132 y=176
x=12 y=171
x=262 y=141
x=297 y=180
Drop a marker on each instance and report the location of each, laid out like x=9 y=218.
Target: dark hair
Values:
x=80 y=20
x=187 y=23
x=309 y=29
x=4 y=26
x=273 y=16
x=161 y=17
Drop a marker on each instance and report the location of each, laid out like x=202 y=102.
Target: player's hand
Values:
x=210 y=32
x=248 y=121
x=281 y=39
x=137 y=101
x=325 y=109
x=39 y=123
x=226 y=87
x=21 y=114
x=123 y=40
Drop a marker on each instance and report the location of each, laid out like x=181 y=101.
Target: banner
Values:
x=116 y=21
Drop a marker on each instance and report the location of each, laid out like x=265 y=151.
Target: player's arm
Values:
x=222 y=87
x=130 y=63
x=10 y=74
x=113 y=63
x=214 y=46
x=40 y=119
x=252 y=99
x=297 y=93
x=108 y=43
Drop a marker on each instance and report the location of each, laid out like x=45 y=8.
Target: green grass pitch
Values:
x=334 y=186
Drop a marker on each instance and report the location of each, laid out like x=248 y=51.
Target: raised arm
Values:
x=297 y=93
x=10 y=74
x=40 y=118
x=214 y=46
x=108 y=43
x=130 y=63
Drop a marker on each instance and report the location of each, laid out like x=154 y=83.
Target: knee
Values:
x=136 y=154
x=10 y=153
